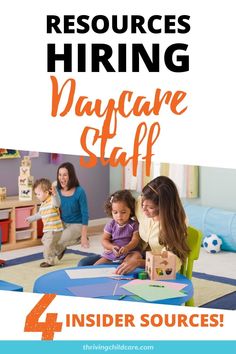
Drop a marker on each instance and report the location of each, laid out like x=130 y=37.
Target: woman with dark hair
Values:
x=162 y=223
x=74 y=209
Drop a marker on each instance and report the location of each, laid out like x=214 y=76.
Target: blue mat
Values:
x=227 y=302
x=38 y=256
x=214 y=278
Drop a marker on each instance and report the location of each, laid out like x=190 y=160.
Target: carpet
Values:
x=206 y=291
x=220 y=291
x=25 y=270
x=209 y=291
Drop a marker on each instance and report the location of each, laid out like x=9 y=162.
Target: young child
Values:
x=50 y=215
x=121 y=237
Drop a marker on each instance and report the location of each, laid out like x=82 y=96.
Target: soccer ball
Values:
x=212 y=243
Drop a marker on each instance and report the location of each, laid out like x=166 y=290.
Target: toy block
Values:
x=25 y=180
x=26 y=162
x=30 y=180
x=24 y=171
x=25 y=193
x=160 y=266
x=3 y=193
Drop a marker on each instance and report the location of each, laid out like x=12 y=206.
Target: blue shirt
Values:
x=74 y=208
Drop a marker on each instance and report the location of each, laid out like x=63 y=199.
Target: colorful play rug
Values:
x=209 y=291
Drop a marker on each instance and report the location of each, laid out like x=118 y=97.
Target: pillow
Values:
x=214 y=221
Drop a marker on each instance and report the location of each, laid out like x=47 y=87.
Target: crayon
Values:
x=156 y=286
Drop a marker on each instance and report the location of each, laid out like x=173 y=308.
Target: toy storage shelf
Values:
x=20 y=234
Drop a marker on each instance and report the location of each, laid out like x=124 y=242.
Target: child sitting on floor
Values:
x=121 y=236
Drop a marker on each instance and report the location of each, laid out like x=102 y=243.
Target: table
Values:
x=5 y=285
x=58 y=282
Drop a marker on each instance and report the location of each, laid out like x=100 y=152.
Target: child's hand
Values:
x=53 y=190
x=28 y=220
x=115 y=250
x=123 y=250
x=84 y=242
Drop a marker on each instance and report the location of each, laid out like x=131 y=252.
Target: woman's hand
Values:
x=84 y=242
x=127 y=266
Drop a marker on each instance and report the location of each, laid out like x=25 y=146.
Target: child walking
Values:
x=121 y=236
x=50 y=215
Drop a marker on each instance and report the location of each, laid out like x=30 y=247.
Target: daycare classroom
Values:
x=207 y=278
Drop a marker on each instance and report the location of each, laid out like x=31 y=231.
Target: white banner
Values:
x=50 y=317
x=164 y=72
x=143 y=80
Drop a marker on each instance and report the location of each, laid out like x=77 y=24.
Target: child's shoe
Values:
x=60 y=256
x=45 y=265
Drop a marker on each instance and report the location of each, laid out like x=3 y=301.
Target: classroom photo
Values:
x=168 y=238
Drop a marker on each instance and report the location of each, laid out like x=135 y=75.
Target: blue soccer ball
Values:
x=212 y=243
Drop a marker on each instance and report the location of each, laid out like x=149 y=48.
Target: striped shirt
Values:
x=50 y=216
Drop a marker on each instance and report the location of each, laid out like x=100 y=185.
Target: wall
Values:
x=217 y=187
x=115 y=179
x=95 y=181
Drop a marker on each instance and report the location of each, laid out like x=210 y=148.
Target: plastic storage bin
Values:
x=4 y=214
x=23 y=235
x=21 y=215
x=4 y=225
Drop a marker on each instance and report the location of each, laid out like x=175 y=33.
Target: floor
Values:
x=221 y=264
x=95 y=247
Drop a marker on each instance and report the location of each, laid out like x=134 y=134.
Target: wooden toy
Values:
x=3 y=193
x=26 y=161
x=142 y=275
x=160 y=266
x=25 y=193
x=25 y=180
x=24 y=171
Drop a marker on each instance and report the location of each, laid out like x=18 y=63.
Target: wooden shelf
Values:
x=13 y=203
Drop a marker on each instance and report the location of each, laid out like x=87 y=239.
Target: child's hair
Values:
x=44 y=183
x=124 y=196
x=73 y=180
x=173 y=229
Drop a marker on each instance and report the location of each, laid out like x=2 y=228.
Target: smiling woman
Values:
x=162 y=223
x=74 y=209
